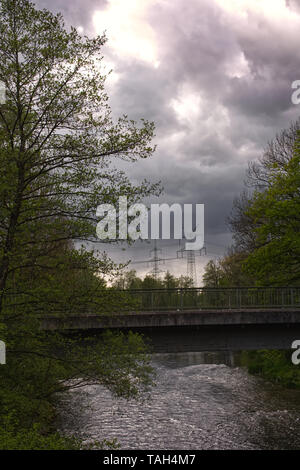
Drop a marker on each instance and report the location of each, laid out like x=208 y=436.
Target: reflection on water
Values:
x=175 y=360
x=201 y=401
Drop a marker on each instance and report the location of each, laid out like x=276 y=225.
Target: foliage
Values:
x=130 y=280
x=259 y=177
x=58 y=141
x=276 y=257
x=274 y=365
x=266 y=230
x=265 y=221
x=58 y=149
x=13 y=437
x=227 y=272
x=212 y=274
x=143 y=291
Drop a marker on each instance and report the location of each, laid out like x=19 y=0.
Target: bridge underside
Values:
x=215 y=338
x=195 y=331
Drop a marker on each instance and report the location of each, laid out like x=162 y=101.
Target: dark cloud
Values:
x=259 y=96
x=144 y=91
x=221 y=91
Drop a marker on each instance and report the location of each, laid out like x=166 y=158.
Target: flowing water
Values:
x=200 y=401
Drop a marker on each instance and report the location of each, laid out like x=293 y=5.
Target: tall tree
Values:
x=58 y=140
x=276 y=257
x=59 y=148
x=212 y=274
x=259 y=177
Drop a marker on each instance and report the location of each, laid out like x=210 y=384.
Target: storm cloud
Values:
x=215 y=77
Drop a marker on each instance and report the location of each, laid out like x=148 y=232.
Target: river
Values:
x=200 y=401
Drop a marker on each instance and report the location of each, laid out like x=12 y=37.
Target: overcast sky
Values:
x=214 y=75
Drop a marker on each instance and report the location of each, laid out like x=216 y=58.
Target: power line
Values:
x=190 y=256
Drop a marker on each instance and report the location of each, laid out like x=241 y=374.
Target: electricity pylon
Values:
x=191 y=266
x=156 y=260
x=191 y=270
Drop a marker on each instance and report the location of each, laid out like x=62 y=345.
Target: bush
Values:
x=274 y=365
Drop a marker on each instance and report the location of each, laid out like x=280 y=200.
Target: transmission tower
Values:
x=156 y=260
x=191 y=271
x=191 y=266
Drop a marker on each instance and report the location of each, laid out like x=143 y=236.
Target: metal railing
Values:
x=201 y=298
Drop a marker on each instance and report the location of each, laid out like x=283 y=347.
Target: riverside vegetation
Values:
x=265 y=224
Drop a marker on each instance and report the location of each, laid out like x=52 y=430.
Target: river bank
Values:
x=275 y=366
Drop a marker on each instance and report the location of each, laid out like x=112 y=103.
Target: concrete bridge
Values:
x=202 y=320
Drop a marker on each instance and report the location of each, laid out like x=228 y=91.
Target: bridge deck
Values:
x=187 y=318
